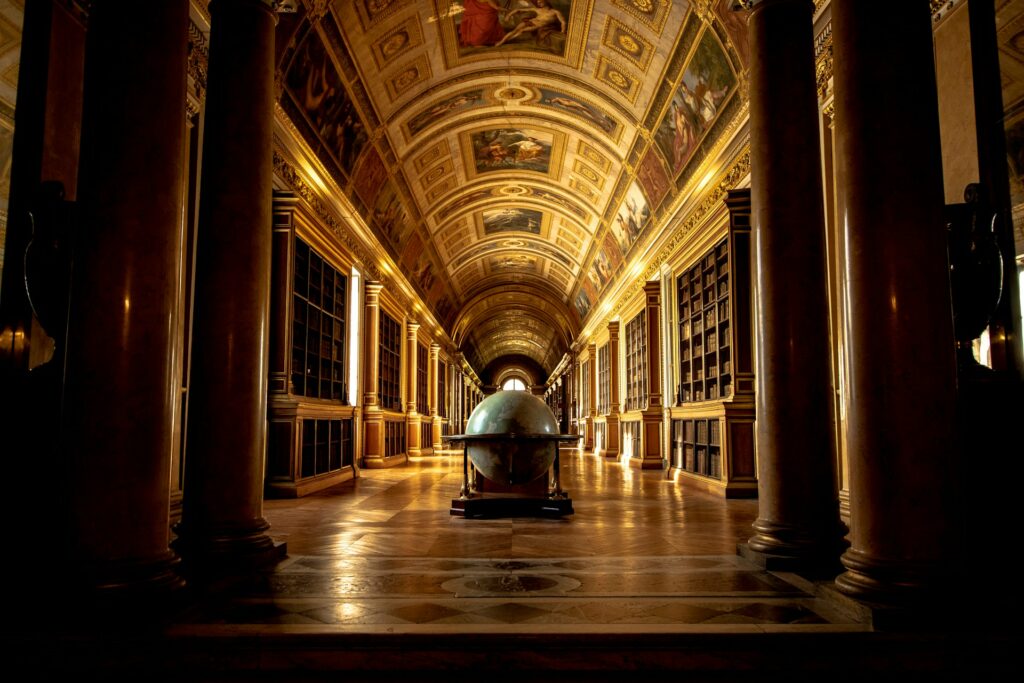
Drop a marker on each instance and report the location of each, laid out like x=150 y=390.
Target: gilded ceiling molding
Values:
x=739 y=170
x=818 y=4
x=296 y=182
x=823 y=61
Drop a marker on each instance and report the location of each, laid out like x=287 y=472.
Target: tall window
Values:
x=318 y=326
x=390 y=363
x=636 y=363
x=604 y=390
x=421 y=379
x=514 y=384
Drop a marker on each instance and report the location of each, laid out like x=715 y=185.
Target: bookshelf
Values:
x=312 y=437
x=705 y=334
x=712 y=419
x=318 y=326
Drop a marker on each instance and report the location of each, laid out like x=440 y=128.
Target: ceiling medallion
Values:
x=513 y=190
x=511 y=94
x=513 y=244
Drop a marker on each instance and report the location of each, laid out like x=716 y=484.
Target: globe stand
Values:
x=494 y=498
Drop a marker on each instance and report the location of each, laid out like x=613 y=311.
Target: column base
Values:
x=646 y=463
x=381 y=462
x=242 y=546
x=132 y=579
x=894 y=583
x=815 y=567
x=795 y=548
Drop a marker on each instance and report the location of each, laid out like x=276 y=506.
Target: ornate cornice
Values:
x=295 y=181
x=823 y=60
x=198 y=60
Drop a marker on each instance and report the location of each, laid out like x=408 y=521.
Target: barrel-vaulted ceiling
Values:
x=512 y=154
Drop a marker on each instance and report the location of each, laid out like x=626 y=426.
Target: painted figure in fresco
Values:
x=511 y=149
x=481 y=23
x=542 y=23
x=603 y=122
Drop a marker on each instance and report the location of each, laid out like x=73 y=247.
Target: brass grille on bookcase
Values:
x=705 y=353
x=603 y=379
x=394 y=437
x=390 y=363
x=636 y=363
x=422 y=356
x=318 y=326
x=326 y=446
x=697 y=446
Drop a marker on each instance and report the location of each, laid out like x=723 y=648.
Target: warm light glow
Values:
x=385 y=267
x=607 y=308
x=638 y=268
x=513 y=384
x=354 y=336
x=705 y=180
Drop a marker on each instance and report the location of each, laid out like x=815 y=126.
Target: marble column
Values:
x=591 y=407
x=123 y=374
x=373 y=418
x=652 y=416
x=899 y=331
x=222 y=516
x=412 y=416
x=436 y=367
x=611 y=449
x=798 y=506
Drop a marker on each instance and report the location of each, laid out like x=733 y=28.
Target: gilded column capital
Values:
x=613 y=330
x=411 y=328
x=373 y=292
x=435 y=350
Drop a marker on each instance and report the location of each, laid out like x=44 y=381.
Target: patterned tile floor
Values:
x=640 y=552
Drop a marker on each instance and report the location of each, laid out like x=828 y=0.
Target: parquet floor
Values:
x=641 y=550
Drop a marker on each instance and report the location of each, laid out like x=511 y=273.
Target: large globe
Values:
x=511 y=437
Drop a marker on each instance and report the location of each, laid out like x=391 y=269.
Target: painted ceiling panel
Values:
x=513 y=154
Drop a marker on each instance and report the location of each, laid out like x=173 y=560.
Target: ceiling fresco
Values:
x=513 y=156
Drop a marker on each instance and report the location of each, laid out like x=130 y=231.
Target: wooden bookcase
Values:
x=389 y=375
x=312 y=438
x=636 y=362
x=712 y=429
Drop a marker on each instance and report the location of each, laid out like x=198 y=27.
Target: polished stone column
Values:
x=899 y=334
x=435 y=397
x=123 y=374
x=373 y=419
x=591 y=407
x=412 y=417
x=653 y=415
x=611 y=449
x=222 y=517
x=798 y=504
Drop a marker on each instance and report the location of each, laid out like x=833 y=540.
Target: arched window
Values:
x=514 y=384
